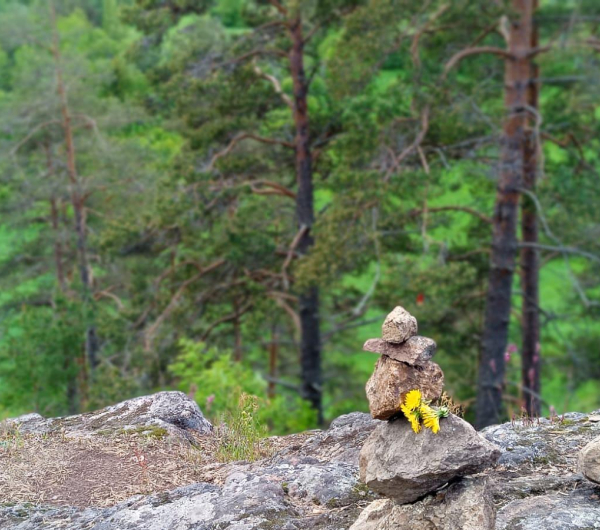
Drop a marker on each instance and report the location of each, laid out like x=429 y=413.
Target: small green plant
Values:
x=240 y=435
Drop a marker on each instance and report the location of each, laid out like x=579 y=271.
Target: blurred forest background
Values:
x=229 y=196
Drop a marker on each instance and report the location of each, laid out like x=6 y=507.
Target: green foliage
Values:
x=240 y=435
x=40 y=354
x=158 y=90
x=218 y=383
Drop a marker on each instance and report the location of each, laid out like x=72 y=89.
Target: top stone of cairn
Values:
x=399 y=326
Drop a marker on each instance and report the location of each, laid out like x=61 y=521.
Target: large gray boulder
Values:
x=465 y=505
x=404 y=466
x=174 y=412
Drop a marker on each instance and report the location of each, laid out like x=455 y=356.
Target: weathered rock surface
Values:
x=312 y=483
x=342 y=442
x=416 y=350
x=398 y=326
x=589 y=461
x=391 y=380
x=539 y=490
x=173 y=411
x=405 y=466
x=464 y=505
x=536 y=485
x=556 y=511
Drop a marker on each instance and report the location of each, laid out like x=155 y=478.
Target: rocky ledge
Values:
x=311 y=481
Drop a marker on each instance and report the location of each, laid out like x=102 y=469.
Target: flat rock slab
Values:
x=174 y=412
x=392 y=380
x=405 y=466
x=415 y=350
x=256 y=496
x=465 y=505
x=398 y=326
x=556 y=511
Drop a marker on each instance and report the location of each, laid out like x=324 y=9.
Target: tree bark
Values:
x=530 y=324
x=237 y=333
x=54 y=221
x=504 y=235
x=273 y=354
x=308 y=299
x=77 y=197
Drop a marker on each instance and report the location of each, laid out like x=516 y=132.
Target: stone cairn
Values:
x=405 y=466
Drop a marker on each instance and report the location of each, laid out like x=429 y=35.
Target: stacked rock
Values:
x=404 y=365
x=406 y=466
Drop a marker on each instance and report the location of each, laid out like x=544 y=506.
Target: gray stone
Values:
x=342 y=442
x=398 y=326
x=465 y=505
x=392 y=380
x=557 y=511
x=173 y=411
x=416 y=350
x=589 y=461
x=291 y=490
x=403 y=465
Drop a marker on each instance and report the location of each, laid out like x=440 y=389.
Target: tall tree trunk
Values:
x=273 y=350
x=309 y=298
x=72 y=391
x=504 y=237
x=54 y=221
x=77 y=197
x=530 y=325
x=237 y=332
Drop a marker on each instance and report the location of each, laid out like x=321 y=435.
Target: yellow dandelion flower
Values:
x=414 y=419
x=431 y=419
x=410 y=408
x=412 y=400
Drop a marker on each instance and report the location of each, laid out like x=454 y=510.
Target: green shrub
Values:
x=219 y=382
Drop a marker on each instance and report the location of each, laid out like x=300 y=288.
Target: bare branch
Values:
x=253 y=53
x=276 y=85
x=276 y=189
x=149 y=334
x=226 y=318
x=279 y=7
x=417 y=142
x=244 y=136
x=28 y=136
x=290 y=254
x=536 y=51
x=280 y=301
x=467 y=52
x=108 y=294
x=465 y=209
x=414 y=47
